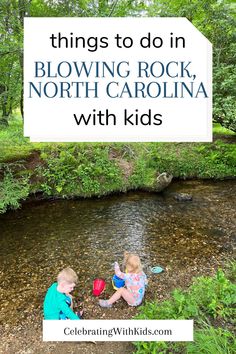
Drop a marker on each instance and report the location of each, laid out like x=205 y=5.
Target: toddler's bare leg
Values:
x=121 y=292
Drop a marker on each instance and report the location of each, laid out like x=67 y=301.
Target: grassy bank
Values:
x=94 y=169
x=210 y=302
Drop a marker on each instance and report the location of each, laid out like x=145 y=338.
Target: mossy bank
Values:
x=96 y=169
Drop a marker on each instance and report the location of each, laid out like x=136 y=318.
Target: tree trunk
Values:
x=22 y=87
x=24 y=10
x=4 y=118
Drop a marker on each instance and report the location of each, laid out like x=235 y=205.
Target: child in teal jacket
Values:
x=58 y=301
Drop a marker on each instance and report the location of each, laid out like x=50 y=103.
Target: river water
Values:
x=40 y=239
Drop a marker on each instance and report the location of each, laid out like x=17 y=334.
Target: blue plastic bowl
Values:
x=117 y=282
x=157 y=270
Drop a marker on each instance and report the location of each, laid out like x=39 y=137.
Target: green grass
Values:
x=212 y=340
x=14 y=146
x=218 y=129
x=93 y=169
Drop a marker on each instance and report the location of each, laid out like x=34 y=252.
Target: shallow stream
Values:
x=89 y=235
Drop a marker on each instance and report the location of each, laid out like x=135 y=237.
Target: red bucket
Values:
x=98 y=286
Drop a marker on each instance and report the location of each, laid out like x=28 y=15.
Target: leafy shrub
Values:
x=208 y=298
x=215 y=160
x=12 y=191
x=82 y=171
x=224 y=108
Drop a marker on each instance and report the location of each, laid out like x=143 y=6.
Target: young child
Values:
x=135 y=282
x=58 y=301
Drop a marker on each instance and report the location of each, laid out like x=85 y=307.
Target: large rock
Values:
x=162 y=181
x=183 y=197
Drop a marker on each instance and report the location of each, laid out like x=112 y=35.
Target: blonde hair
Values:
x=67 y=275
x=132 y=263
